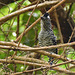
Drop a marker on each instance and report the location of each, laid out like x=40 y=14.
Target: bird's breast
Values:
x=45 y=38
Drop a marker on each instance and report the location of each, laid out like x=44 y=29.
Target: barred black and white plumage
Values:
x=46 y=36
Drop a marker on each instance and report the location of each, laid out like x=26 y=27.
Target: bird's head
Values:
x=45 y=21
x=45 y=17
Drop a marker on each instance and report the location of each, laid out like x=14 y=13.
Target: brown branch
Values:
x=10 y=26
x=22 y=62
x=12 y=44
x=58 y=25
x=60 y=70
x=59 y=29
x=36 y=36
x=32 y=54
x=73 y=66
x=30 y=59
x=18 y=12
x=36 y=49
x=71 y=35
x=70 y=23
x=52 y=55
x=18 y=19
x=4 y=34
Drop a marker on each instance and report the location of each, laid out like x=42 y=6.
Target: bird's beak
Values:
x=43 y=18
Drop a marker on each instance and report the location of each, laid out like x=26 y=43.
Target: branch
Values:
x=58 y=25
x=30 y=59
x=22 y=62
x=12 y=44
x=20 y=11
x=28 y=71
x=35 y=49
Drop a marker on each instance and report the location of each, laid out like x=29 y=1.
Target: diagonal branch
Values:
x=58 y=25
x=30 y=59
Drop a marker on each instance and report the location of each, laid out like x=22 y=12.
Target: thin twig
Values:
x=10 y=27
x=5 y=5
x=30 y=4
x=18 y=21
x=69 y=11
x=70 y=24
x=58 y=25
x=4 y=34
x=71 y=35
x=28 y=22
x=30 y=59
x=36 y=36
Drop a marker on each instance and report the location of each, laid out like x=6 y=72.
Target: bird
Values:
x=46 y=36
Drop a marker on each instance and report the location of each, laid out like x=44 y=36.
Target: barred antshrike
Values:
x=46 y=36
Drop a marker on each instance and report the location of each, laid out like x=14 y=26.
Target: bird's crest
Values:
x=46 y=15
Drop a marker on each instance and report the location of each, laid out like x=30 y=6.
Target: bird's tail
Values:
x=51 y=60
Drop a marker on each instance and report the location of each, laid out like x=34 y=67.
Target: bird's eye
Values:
x=48 y=17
